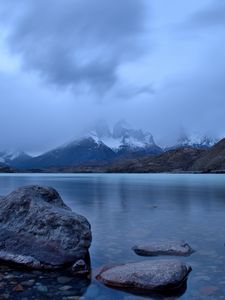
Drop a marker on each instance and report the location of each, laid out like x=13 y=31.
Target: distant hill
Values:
x=213 y=160
x=177 y=160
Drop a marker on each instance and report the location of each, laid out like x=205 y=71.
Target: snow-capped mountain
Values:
x=124 y=139
x=99 y=145
x=102 y=145
x=13 y=158
x=195 y=140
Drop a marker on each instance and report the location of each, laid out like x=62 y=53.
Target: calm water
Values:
x=128 y=209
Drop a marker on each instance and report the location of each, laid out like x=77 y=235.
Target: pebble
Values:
x=28 y=283
x=9 y=277
x=63 y=279
x=41 y=288
x=65 y=288
x=4 y=296
x=18 y=288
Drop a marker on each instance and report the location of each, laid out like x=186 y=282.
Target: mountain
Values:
x=176 y=160
x=126 y=141
x=194 y=140
x=13 y=158
x=213 y=160
x=182 y=159
x=123 y=149
x=100 y=145
x=81 y=151
x=86 y=155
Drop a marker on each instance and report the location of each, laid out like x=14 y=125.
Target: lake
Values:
x=128 y=209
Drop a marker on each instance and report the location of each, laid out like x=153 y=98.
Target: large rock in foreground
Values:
x=177 y=248
x=38 y=230
x=161 y=276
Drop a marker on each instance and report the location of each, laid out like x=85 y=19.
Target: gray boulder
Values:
x=161 y=276
x=177 y=248
x=38 y=230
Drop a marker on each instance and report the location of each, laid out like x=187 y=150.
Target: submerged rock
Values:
x=162 y=276
x=38 y=230
x=177 y=248
x=80 y=267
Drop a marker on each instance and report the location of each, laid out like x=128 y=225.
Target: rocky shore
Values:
x=44 y=253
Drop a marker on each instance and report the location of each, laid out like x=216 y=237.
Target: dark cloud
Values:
x=108 y=60
x=75 y=42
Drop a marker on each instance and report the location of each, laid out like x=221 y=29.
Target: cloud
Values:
x=75 y=43
x=160 y=67
x=212 y=15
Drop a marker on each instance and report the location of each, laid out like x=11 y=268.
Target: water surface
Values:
x=127 y=209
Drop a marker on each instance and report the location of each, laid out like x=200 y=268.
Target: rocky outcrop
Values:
x=177 y=160
x=38 y=230
x=160 y=276
x=177 y=248
x=212 y=160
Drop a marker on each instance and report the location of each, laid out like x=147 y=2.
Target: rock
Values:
x=178 y=248
x=63 y=279
x=42 y=288
x=160 y=276
x=38 y=230
x=80 y=267
x=18 y=288
x=65 y=288
x=2 y=285
x=9 y=276
x=28 y=283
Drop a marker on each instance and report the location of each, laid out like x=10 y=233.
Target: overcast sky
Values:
x=65 y=64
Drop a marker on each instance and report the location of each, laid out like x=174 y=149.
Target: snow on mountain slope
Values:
x=195 y=140
x=122 y=136
x=10 y=157
x=109 y=141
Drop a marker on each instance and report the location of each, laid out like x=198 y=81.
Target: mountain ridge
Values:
x=104 y=147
